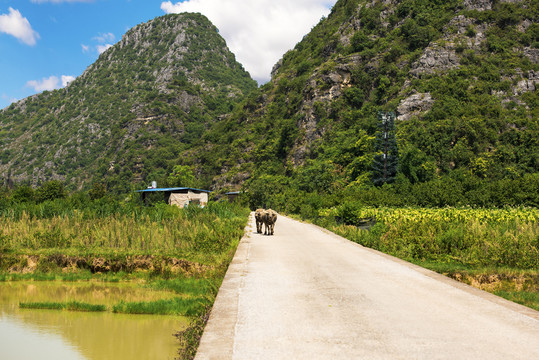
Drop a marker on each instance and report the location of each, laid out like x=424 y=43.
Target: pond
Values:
x=59 y=334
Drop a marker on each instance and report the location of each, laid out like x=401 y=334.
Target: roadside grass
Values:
x=189 y=338
x=517 y=285
x=529 y=299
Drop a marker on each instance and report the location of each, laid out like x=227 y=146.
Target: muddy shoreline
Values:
x=24 y=264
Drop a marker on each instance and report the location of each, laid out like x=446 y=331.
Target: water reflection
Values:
x=51 y=334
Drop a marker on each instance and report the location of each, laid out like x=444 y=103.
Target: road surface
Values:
x=306 y=293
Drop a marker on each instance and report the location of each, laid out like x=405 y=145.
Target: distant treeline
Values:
x=52 y=199
x=302 y=195
x=290 y=195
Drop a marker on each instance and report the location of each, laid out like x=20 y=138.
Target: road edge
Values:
x=217 y=340
x=521 y=309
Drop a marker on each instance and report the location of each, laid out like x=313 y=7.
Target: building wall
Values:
x=182 y=200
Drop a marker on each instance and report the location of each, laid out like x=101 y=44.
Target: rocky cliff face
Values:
x=463 y=35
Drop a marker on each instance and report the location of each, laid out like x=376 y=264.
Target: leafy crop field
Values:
x=493 y=249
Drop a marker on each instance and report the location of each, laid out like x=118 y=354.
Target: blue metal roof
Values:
x=172 y=189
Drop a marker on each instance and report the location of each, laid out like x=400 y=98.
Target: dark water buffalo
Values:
x=259 y=213
x=269 y=218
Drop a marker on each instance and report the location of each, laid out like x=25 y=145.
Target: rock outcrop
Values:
x=435 y=59
x=414 y=105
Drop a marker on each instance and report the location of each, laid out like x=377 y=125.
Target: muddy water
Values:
x=54 y=334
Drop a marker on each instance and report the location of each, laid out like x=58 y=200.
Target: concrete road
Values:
x=306 y=293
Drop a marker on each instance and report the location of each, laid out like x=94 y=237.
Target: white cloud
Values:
x=104 y=43
x=103 y=38
x=66 y=79
x=258 y=32
x=102 y=48
x=18 y=26
x=50 y=83
x=8 y=99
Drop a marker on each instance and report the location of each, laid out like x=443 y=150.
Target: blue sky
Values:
x=46 y=43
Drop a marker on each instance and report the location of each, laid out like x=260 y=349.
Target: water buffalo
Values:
x=269 y=218
x=259 y=213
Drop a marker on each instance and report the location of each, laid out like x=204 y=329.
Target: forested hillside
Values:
x=461 y=76
x=131 y=114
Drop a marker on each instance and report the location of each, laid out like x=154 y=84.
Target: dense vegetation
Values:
x=312 y=130
x=505 y=237
x=183 y=100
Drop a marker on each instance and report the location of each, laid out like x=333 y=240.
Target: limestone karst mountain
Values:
x=131 y=113
x=461 y=75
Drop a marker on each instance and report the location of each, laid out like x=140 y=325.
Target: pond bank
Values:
x=30 y=334
x=24 y=264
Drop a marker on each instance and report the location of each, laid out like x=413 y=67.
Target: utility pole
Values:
x=386 y=159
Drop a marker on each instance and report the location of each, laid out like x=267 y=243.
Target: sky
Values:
x=45 y=44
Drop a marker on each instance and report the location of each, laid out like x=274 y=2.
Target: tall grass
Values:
x=184 y=306
x=195 y=287
x=159 y=230
x=176 y=306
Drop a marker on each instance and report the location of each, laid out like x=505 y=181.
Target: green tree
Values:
x=415 y=165
x=50 y=190
x=23 y=193
x=98 y=191
x=182 y=175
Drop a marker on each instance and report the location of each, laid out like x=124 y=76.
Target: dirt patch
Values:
x=493 y=282
x=31 y=264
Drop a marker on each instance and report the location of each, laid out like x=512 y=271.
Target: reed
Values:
x=70 y=305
